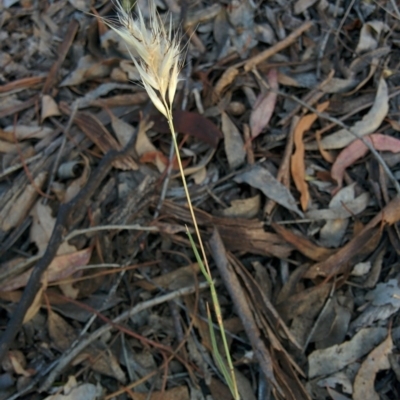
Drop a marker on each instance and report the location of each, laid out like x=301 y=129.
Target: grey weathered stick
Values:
x=239 y=299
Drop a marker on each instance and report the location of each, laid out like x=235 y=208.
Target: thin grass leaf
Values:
x=199 y=260
x=217 y=355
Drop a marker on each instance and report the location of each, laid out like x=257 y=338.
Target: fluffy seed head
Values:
x=158 y=54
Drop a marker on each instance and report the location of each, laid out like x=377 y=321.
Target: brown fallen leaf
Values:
x=102 y=360
x=190 y=123
x=61 y=333
x=161 y=161
x=264 y=106
x=377 y=360
x=100 y=136
x=297 y=165
x=120 y=100
x=183 y=274
x=16 y=108
x=42 y=227
x=49 y=108
x=18 y=363
x=21 y=84
x=77 y=76
x=304 y=302
x=33 y=131
x=123 y=131
x=238 y=234
x=224 y=81
x=177 y=393
x=302 y=244
x=243 y=208
x=36 y=304
x=60 y=268
x=19 y=205
x=358 y=149
x=237 y=293
x=369 y=234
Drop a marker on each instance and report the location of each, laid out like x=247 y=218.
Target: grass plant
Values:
x=156 y=53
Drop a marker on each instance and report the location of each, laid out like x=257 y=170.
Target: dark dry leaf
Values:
x=190 y=123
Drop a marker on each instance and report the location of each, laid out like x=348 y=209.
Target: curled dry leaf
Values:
x=358 y=149
x=49 y=108
x=370 y=35
x=297 y=164
x=77 y=184
x=224 y=81
x=264 y=106
x=369 y=123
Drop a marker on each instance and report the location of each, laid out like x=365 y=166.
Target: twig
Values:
x=134 y=227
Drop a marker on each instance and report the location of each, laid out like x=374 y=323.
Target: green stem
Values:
x=203 y=255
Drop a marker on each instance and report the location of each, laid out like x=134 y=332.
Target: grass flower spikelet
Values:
x=158 y=65
x=158 y=60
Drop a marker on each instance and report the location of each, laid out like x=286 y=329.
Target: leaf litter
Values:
x=301 y=218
